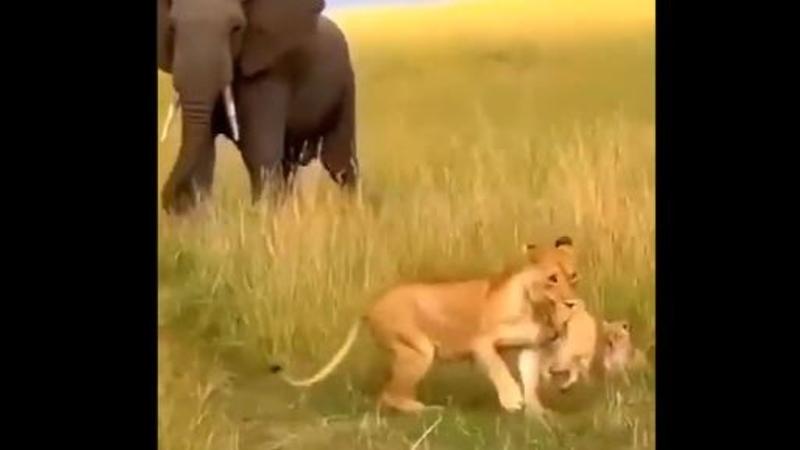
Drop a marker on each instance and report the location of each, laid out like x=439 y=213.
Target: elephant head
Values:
x=202 y=43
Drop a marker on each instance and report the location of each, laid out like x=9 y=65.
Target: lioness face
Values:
x=563 y=311
x=556 y=315
x=557 y=265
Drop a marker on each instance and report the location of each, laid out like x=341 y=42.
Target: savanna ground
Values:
x=479 y=128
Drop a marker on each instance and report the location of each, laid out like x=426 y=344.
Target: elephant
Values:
x=274 y=76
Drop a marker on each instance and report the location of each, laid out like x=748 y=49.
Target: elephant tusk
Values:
x=230 y=109
x=173 y=107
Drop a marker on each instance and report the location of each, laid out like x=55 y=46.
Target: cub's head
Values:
x=617 y=335
x=557 y=275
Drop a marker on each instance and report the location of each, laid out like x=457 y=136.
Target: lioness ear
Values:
x=564 y=241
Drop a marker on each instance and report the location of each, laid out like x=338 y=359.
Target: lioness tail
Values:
x=329 y=368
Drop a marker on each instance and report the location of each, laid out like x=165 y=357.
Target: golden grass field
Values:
x=481 y=126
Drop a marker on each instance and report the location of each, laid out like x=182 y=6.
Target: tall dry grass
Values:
x=477 y=132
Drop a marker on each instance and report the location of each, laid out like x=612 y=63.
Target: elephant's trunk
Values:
x=202 y=72
x=196 y=114
x=197 y=146
x=196 y=132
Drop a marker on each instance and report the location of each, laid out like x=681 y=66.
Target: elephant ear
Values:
x=164 y=36
x=275 y=27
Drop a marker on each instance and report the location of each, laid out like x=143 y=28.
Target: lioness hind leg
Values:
x=409 y=366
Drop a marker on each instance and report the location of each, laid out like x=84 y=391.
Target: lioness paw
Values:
x=511 y=400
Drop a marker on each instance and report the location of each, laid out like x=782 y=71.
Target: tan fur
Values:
x=572 y=353
x=619 y=354
x=572 y=345
x=420 y=322
x=580 y=346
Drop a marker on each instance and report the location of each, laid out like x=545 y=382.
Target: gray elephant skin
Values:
x=286 y=74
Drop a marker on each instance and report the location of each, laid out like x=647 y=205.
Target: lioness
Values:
x=468 y=319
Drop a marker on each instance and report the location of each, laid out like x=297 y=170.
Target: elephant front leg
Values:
x=263 y=109
x=338 y=153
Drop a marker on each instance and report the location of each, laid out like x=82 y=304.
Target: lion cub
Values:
x=579 y=347
x=573 y=352
x=619 y=354
x=473 y=319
